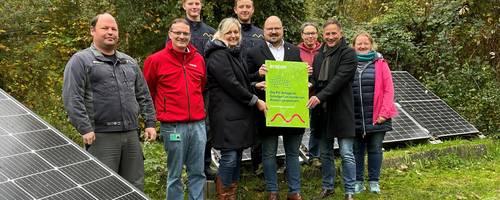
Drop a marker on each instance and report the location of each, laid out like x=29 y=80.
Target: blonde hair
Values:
x=366 y=34
x=224 y=27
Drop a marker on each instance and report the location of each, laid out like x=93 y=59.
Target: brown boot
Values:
x=273 y=196
x=294 y=196
x=233 y=191
x=219 y=188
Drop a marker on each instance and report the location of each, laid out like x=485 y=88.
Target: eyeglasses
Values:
x=310 y=33
x=179 y=33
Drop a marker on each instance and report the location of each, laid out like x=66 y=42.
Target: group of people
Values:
x=207 y=90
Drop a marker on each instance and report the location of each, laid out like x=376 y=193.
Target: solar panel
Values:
x=408 y=88
x=405 y=128
x=305 y=143
x=437 y=117
x=247 y=155
x=38 y=162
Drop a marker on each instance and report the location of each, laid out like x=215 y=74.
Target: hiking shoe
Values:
x=374 y=187
x=359 y=187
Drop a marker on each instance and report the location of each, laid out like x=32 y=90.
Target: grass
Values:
x=449 y=176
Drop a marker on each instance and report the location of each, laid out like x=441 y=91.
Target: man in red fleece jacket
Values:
x=176 y=77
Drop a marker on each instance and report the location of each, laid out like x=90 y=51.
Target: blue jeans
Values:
x=328 y=163
x=184 y=144
x=373 y=144
x=229 y=166
x=291 y=143
x=313 y=149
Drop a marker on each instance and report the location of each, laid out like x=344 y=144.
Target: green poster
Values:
x=287 y=94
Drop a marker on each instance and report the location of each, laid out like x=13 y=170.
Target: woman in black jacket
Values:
x=231 y=104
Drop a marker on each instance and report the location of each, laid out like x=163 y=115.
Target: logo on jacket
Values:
x=255 y=35
x=192 y=65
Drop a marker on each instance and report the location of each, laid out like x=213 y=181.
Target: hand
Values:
x=262 y=70
x=261 y=85
x=309 y=70
x=89 y=138
x=313 y=102
x=150 y=134
x=261 y=105
x=381 y=120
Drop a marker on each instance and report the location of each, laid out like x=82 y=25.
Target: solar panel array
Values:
x=427 y=109
x=422 y=114
x=38 y=162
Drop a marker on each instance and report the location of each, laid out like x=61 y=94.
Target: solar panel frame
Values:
x=33 y=169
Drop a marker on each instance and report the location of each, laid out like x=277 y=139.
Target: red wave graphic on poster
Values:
x=288 y=121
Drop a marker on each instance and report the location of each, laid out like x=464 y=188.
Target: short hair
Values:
x=236 y=2
x=178 y=20
x=224 y=27
x=366 y=34
x=306 y=24
x=94 y=20
x=184 y=1
x=332 y=21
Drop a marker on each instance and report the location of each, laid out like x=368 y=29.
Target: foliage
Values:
x=452 y=46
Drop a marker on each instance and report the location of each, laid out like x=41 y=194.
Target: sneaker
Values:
x=359 y=187
x=374 y=187
x=315 y=162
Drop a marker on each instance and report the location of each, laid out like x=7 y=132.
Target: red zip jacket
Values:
x=175 y=81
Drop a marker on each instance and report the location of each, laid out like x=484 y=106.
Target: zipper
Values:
x=118 y=87
x=361 y=99
x=187 y=89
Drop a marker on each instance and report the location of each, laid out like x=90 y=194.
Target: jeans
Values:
x=328 y=163
x=229 y=166
x=184 y=144
x=313 y=147
x=373 y=144
x=291 y=143
x=122 y=152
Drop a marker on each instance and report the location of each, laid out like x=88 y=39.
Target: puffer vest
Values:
x=363 y=89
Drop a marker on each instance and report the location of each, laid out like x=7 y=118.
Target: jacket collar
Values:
x=306 y=48
x=190 y=51
x=121 y=57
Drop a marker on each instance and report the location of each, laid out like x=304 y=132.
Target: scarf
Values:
x=328 y=52
x=366 y=57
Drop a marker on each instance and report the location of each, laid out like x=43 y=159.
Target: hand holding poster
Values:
x=287 y=94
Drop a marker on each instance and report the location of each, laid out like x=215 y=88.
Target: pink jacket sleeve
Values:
x=383 y=104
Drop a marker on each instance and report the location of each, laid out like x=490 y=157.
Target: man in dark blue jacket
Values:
x=201 y=33
x=252 y=34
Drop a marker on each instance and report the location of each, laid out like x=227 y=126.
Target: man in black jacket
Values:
x=333 y=107
x=201 y=33
x=252 y=35
x=275 y=48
